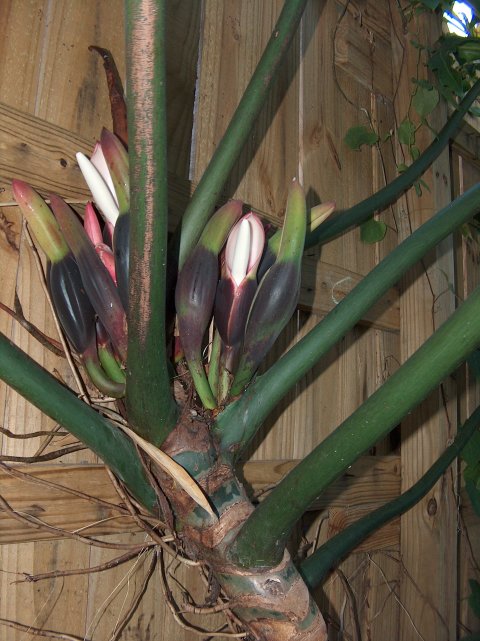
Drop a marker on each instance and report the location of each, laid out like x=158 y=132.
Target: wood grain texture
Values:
x=183 y=36
x=324 y=286
x=428 y=532
x=371 y=481
x=40 y=153
x=363 y=51
x=465 y=174
x=233 y=37
x=46 y=67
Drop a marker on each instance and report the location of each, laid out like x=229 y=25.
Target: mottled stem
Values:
x=150 y=404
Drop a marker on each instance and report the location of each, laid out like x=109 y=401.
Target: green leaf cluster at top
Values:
x=453 y=62
x=424 y=100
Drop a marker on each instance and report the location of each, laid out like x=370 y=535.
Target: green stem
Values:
x=151 y=407
x=239 y=422
x=39 y=387
x=315 y=568
x=359 y=213
x=214 y=364
x=230 y=146
x=441 y=354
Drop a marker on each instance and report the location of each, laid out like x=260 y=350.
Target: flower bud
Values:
x=237 y=287
x=277 y=294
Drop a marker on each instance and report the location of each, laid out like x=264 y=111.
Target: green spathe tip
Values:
x=294 y=229
x=116 y=158
x=218 y=227
x=41 y=221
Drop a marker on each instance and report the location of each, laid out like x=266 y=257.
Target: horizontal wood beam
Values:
x=43 y=154
x=370 y=482
x=323 y=286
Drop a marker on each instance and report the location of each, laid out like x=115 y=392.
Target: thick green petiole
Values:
x=315 y=568
x=230 y=146
x=39 y=387
x=441 y=354
x=239 y=422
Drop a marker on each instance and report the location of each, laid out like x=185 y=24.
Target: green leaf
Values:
x=426 y=84
x=406 y=132
x=415 y=152
x=473 y=495
x=360 y=135
x=472 y=473
x=372 y=231
x=424 y=101
x=474 y=598
x=450 y=80
x=416 y=44
x=418 y=187
x=469 y=51
x=424 y=184
x=474 y=363
x=430 y=4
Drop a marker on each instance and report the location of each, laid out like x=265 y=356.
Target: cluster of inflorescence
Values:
x=235 y=281
x=248 y=285
x=87 y=271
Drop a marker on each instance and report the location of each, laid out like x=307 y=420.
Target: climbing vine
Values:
x=453 y=65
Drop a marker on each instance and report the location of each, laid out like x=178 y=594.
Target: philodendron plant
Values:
x=139 y=312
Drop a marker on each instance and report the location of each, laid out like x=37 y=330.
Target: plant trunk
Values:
x=274 y=604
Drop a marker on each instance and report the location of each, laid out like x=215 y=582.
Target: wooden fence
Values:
x=351 y=63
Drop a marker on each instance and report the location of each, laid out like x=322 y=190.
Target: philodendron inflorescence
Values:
x=237 y=286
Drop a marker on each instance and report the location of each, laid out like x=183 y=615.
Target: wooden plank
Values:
x=466 y=173
x=387 y=537
x=365 y=54
x=46 y=81
x=72 y=90
x=371 y=481
x=41 y=153
x=324 y=286
x=183 y=35
x=22 y=28
x=428 y=586
x=233 y=37
x=58 y=508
